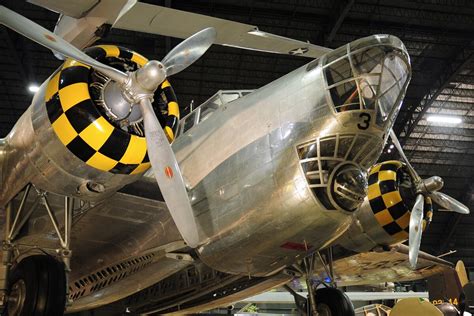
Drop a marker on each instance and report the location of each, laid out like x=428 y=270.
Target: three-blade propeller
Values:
x=429 y=188
x=139 y=87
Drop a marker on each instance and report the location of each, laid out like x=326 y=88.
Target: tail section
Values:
x=462 y=273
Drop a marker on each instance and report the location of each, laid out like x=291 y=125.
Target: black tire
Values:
x=42 y=280
x=448 y=309
x=335 y=301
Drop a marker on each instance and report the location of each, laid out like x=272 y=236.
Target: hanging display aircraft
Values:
x=258 y=187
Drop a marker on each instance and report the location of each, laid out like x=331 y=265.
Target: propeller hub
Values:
x=434 y=183
x=151 y=75
x=118 y=107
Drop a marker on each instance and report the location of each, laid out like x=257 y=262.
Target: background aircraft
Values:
x=293 y=160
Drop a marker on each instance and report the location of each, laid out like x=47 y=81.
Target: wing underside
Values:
x=385 y=266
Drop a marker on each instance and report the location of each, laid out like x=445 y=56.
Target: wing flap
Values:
x=165 y=21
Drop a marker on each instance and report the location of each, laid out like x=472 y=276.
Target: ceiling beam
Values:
x=447 y=75
x=342 y=11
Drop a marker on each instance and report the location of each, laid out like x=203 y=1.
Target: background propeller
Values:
x=138 y=88
x=424 y=188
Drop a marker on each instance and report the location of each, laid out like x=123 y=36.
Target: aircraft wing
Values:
x=386 y=266
x=142 y=17
x=73 y=8
x=171 y=22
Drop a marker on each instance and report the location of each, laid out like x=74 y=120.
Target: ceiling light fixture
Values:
x=444 y=119
x=33 y=88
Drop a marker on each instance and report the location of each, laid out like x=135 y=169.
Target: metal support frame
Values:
x=15 y=221
x=306 y=270
x=308 y=263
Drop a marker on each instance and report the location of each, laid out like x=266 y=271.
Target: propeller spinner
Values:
x=138 y=87
x=427 y=187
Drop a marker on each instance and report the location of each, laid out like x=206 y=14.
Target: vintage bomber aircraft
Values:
x=279 y=183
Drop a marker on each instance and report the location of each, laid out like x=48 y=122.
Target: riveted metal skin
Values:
x=63 y=140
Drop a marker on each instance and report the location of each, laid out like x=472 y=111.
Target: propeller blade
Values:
x=168 y=176
x=402 y=153
x=416 y=230
x=188 y=51
x=449 y=203
x=50 y=40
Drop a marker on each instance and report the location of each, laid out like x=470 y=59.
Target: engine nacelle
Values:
x=81 y=137
x=384 y=217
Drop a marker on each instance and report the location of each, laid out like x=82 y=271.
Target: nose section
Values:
x=369 y=74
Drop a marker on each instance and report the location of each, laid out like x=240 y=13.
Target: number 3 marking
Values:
x=365 y=121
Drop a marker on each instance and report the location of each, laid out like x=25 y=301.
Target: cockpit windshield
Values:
x=371 y=73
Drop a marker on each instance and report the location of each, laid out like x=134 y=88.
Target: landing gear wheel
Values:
x=333 y=302
x=37 y=288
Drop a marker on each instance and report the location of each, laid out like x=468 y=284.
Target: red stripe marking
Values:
x=52 y=39
x=169 y=172
x=295 y=246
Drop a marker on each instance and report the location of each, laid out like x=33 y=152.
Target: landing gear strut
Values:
x=34 y=284
x=326 y=301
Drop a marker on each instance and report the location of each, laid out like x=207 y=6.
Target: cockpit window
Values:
x=339 y=71
x=371 y=75
x=369 y=60
x=337 y=53
x=346 y=96
x=394 y=75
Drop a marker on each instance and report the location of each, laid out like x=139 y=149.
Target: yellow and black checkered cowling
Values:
x=87 y=133
x=386 y=202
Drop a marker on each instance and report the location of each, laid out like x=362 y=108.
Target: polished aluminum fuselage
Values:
x=248 y=190
x=255 y=212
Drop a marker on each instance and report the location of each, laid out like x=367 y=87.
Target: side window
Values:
x=207 y=110
x=189 y=121
x=209 y=107
x=229 y=97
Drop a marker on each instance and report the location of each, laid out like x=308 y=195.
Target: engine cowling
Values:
x=81 y=136
x=384 y=217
